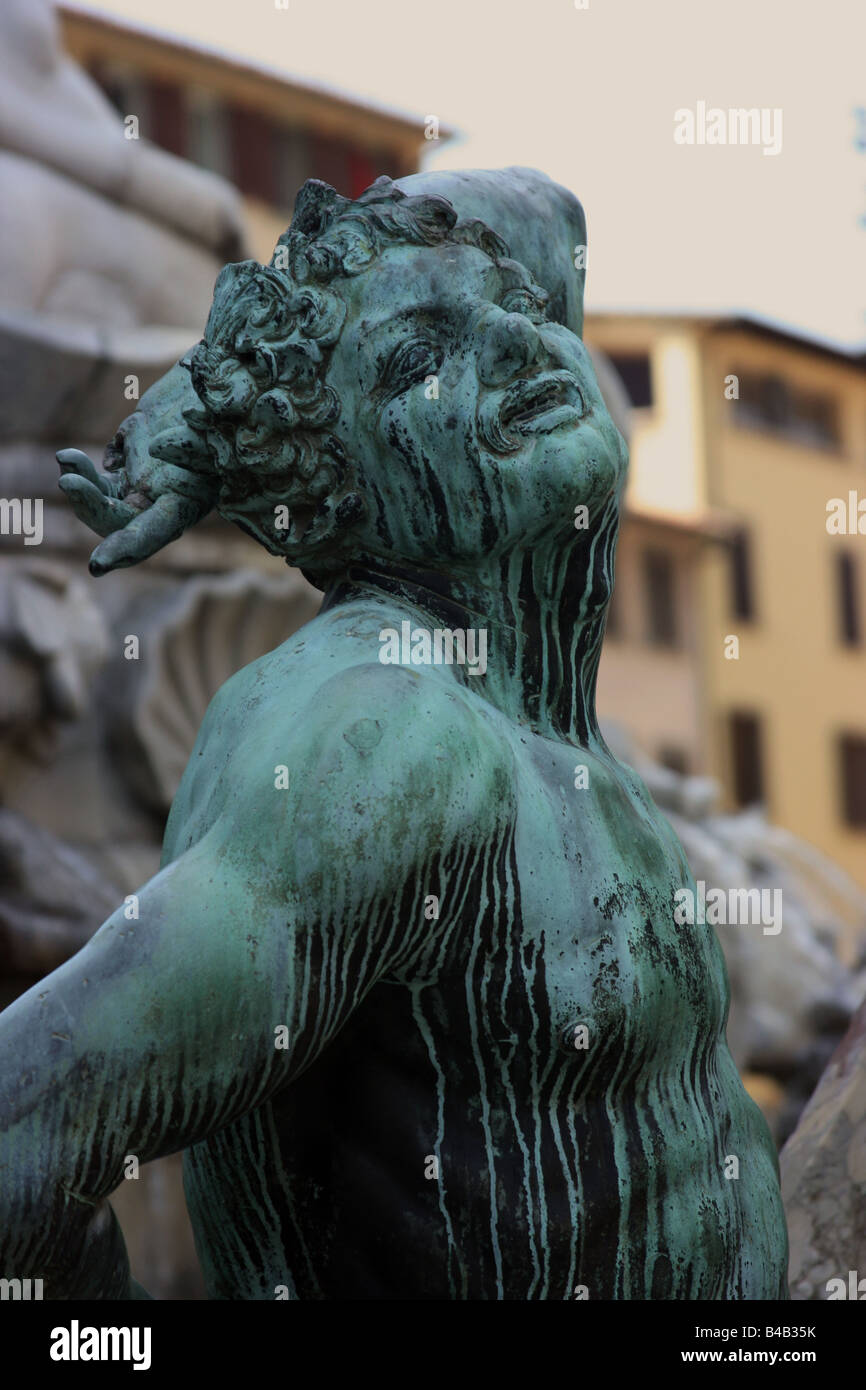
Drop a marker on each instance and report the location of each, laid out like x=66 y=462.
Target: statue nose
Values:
x=511 y=345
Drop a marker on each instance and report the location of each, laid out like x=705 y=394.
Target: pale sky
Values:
x=589 y=96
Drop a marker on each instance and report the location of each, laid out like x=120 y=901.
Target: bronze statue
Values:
x=409 y=990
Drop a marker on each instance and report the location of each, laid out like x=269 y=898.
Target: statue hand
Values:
x=142 y=503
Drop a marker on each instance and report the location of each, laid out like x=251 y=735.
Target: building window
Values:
x=127 y=91
x=742 y=593
x=208 y=134
x=747 y=759
x=852 y=751
x=294 y=165
x=660 y=589
x=332 y=162
x=266 y=159
x=815 y=420
x=168 y=118
x=848 y=607
x=634 y=372
x=253 y=140
x=362 y=172
x=675 y=759
x=766 y=401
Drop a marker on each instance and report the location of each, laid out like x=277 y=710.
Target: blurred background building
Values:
x=262 y=132
x=740 y=433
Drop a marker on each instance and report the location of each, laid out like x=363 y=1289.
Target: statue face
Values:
x=473 y=422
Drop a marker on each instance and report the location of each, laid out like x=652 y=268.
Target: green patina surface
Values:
x=506 y=1074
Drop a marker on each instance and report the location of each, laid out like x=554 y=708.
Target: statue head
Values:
x=392 y=388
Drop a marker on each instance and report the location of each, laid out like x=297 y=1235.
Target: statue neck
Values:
x=542 y=618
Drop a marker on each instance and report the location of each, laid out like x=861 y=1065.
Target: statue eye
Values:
x=523 y=300
x=411 y=362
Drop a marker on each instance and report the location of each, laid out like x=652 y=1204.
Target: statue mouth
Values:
x=538 y=404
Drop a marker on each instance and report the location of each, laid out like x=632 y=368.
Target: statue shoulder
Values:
x=371 y=762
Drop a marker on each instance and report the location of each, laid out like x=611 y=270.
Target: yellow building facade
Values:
x=744 y=654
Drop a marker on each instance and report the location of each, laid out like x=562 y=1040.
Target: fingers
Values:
x=103 y=514
x=134 y=528
x=74 y=461
x=146 y=533
x=168 y=477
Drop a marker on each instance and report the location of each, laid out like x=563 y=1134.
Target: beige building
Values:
x=263 y=132
x=738 y=642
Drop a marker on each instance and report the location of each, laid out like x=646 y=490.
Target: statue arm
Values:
x=248 y=954
x=163 y=1029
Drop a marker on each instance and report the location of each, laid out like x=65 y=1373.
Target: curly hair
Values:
x=260 y=369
